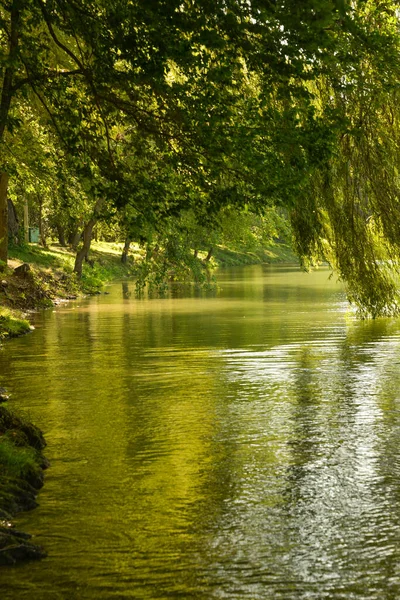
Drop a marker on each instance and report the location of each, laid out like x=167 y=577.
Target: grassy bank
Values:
x=50 y=278
x=52 y=267
x=275 y=252
x=21 y=469
x=12 y=324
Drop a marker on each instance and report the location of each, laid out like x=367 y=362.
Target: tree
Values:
x=348 y=211
x=234 y=98
x=3 y=220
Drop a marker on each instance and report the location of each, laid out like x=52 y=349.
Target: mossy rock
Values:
x=17 y=437
x=13 y=326
x=14 y=553
x=9 y=421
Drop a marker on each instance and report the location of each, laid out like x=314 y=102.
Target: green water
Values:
x=241 y=445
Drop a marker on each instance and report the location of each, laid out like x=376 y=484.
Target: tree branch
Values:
x=53 y=120
x=49 y=75
x=63 y=47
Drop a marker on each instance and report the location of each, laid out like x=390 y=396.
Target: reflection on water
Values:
x=244 y=444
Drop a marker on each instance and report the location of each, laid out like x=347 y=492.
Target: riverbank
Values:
x=276 y=252
x=39 y=277
x=12 y=324
x=21 y=465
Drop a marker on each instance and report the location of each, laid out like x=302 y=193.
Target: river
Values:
x=242 y=444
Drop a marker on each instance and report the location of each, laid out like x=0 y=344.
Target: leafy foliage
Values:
x=144 y=112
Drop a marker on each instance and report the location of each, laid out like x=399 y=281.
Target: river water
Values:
x=237 y=445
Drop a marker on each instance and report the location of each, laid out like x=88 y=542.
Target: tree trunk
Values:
x=13 y=222
x=87 y=238
x=196 y=253
x=75 y=239
x=125 y=251
x=3 y=221
x=61 y=234
x=209 y=255
x=41 y=230
x=11 y=62
x=5 y=103
x=26 y=220
x=81 y=255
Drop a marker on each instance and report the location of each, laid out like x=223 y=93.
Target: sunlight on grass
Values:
x=12 y=324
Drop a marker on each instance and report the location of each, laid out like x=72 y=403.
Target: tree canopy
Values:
x=154 y=110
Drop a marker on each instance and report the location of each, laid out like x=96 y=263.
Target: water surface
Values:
x=237 y=445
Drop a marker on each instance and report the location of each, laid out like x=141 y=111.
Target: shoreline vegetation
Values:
x=37 y=278
x=21 y=465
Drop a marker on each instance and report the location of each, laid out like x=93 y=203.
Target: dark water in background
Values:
x=244 y=445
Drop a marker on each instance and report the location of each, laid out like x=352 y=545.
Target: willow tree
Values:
x=348 y=211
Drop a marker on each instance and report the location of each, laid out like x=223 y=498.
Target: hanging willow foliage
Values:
x=350 y=209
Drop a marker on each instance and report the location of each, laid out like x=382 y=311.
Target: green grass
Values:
x=12 y=324
x=106 y=257
x=16 y=461
x=276 y=252
x=105 y=266
x=21 y=463
x=42 y=257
